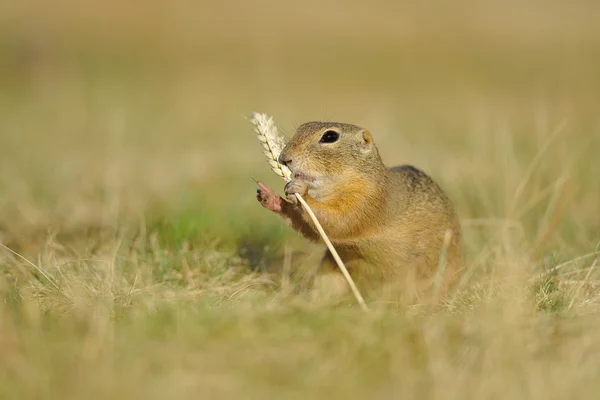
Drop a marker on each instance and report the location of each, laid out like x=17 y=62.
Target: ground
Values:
x=136 y=262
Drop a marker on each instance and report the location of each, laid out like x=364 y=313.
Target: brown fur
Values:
x=388 y=225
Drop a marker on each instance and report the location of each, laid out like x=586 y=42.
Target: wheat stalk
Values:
x=273 y=144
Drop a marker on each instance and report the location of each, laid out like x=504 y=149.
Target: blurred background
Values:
x=135 y=261
x=120 y=114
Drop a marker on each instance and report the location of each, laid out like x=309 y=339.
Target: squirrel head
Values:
x=327 y=151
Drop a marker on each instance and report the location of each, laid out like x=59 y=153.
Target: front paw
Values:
x=293 y=187
x=268 y=198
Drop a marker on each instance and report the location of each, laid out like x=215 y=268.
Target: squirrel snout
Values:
x=284 y=159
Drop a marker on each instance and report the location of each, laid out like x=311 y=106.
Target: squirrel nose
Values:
x=283 y=159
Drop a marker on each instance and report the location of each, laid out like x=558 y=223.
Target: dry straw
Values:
x=273 y=143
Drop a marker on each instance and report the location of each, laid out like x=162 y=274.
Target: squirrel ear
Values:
x=367 y=142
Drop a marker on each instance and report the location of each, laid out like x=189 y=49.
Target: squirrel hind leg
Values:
x=329 y=285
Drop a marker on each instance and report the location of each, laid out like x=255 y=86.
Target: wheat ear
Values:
x=273 y=144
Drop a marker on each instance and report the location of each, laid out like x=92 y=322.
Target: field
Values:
x=135 y=261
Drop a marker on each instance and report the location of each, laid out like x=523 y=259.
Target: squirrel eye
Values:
x=329 y=137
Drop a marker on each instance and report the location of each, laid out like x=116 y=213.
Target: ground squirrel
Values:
x=386 y=223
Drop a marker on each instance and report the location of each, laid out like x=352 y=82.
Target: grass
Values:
x=136 y=262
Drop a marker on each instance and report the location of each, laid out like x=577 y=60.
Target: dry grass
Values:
x=140 y=264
